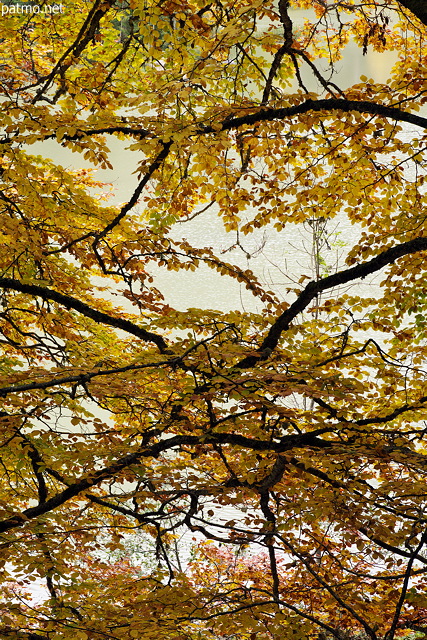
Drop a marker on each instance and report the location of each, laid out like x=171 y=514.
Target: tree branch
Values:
x=69 y=302
x=326 y=105
x=268 y=114
x=85 y=35
x=314 y=288
x=96 y=477
x=162 y=155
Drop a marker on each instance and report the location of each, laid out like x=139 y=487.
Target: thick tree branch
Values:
x=391 y=633
x=286 y=443
x=82 y=378
x=391 y=548
x=269 y=114
x=374 y=419
x=327 y=105
x=264 y=115
x=314 y=288
x=285 y=48
x=69 y=302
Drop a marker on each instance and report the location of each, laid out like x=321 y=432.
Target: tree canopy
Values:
x=286 y=437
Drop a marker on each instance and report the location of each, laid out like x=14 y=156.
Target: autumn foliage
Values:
x=270 y=456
